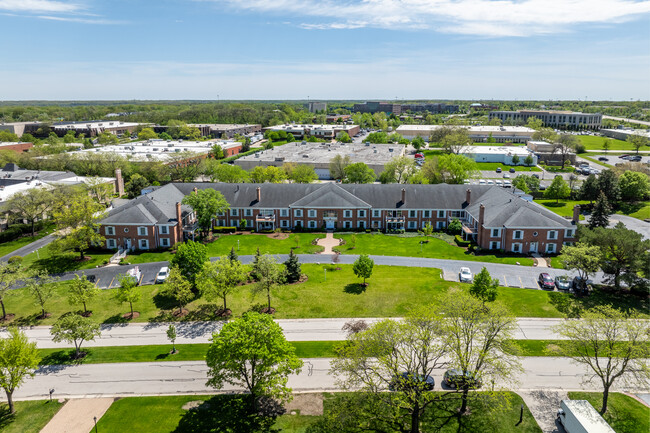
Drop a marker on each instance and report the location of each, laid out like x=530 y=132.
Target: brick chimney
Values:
x=481 y=220
x=468 y=196
x=119 y=182
x=259 y=194
x=179 y=217
x=576 y=214
x=403 y=195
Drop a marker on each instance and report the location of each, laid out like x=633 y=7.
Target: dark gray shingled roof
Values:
x=502 y=208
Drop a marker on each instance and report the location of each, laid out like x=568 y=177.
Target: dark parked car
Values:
x=635 y=158
x=580 y=285
x=408 y=380
x=562 y=282
x=546 y=281
x=92 y=278
x=602 y=158
x=498 y=169
x=624 y=156
x=536 y=176
x=458 y=379
x=512 y=170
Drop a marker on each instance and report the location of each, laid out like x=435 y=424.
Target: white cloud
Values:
x=98 y=21
x=474 y=17
x=36 y=6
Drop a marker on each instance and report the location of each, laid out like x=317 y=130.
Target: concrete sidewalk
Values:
x=76 y=416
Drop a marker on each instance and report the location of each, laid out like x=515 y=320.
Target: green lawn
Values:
x=43 y=259
x=30 y=416
x=640 y=210
x=246 y=245
x=563 y=207
x=492 y=166
x=409 y=246
x=592 y=142
x=624 y=414
x=328 y=292
x=219 y=413
x=157 y=353
x=8 y=247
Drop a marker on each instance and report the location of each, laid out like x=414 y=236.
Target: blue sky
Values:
x=325 y=49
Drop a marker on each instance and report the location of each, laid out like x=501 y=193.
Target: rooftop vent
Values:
x=305 y=156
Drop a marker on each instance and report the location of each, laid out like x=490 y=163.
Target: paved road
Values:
x=624 y=119
x=508 y=275
x=30 y=248
x=170 y=378
x=134 y=334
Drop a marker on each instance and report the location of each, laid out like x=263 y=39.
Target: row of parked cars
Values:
x=453 y=378
x=562 y=282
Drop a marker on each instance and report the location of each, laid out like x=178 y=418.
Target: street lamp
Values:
x=51 y=392
x=95 y=419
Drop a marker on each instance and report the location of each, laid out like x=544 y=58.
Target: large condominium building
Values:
x=479 y=134
x=315 y=106
x=495 y=218
x=552 y=119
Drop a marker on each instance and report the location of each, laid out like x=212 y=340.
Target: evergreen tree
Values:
x=233 y=255
x=293 y=268
x=589 y=189
x=608 y=184
x=601 y=212
x=255 y=266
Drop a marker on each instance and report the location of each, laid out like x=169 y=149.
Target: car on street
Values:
x=512 y=170
x=507 y=184
x=562 y=282
x=481 y=182
x=490 y=182
x=602 y=158
x=546 y=281
x=624 y=156
x=161 y=277
x=407 y=380
x=635 y=158
x=498 y=169
x=465 y=275
x=419 y=156
x=506 y=176
x=459 y=379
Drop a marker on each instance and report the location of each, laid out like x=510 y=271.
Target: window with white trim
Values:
x=297 y=213
x=164 y=230
x=249 y=223
x=361 y=224
x=440 y=225
x=284 y=212
x=312 y=224
x=568 y=233
x=361 y=213
x=347 y=214
x=518 y=234
x=550 y=248
x=249 y=212
x=284 y=223
x=413 y=214
x=552 y=234
x=142 y=231
x=427 y=214
x=110 y=231
x=234 y=212
x=110 y=243
x=516 y=248
x=441 y=214
x=164 y=242
x=495 y=233
x=376 y=213
x=412 y=224
x=347 y=224
x=144 y=244
x=311 y=213
x=494 y=245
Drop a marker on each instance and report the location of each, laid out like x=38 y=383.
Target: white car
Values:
x=490 y=182
x=465 y=275
x=481 y=182
x=162 y=275
x=507 y=184
x=506 y=176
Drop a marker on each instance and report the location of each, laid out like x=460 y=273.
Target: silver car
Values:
x=161 y=277
x=465 y=275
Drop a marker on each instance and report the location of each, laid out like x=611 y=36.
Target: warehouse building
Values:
x=324 y=132
x=552 y=119
x=502 y=154
x=95 y=128
x=479 y=134
x=624 y=133
x=319 y=155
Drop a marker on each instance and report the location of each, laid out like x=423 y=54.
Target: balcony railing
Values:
x=265 y=218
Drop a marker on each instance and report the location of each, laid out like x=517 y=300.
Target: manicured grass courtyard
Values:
x=593 y=142
x=8 y=247
x=563 y=207
x=640 y=210
x=302 y=243
x=44 y=259
x=30 y=416
x=395 y=245
x=624 y=414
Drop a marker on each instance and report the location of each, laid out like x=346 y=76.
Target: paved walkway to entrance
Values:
x=329 y=242
x=540 y=262
x=76 y=416
x=543 y=404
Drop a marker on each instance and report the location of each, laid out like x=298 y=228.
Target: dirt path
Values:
x=328 y=242
x=544 y=405
x=76 y=416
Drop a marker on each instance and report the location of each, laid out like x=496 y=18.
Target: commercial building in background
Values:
x=20 y=128
x=378 y=107
x=479 y=134
x=164 y=151
x=319 y=155
x=437 y=108
x=315 y=106
x=546 y=153
x=19 y=147
x=325 y=132
x=338 y=118
x=502 y=154
x=95 y=127
x=624 y=133
x=217 y=130
x=552 y=119
x=492 y=216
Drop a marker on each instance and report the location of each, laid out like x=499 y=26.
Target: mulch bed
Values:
x=128 y=316
x=182 y=313
x=303 y=279
x=87 y=314
x=8 y=318
x=266 y=310
x=224 y=313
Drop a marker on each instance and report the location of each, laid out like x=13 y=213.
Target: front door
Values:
x=533 y=247
x=330 y=224
x=127 y=243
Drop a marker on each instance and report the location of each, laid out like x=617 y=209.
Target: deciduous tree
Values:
x=220 y=278
x=135 y=185
x=558 y=189
x=455 y=169
x=583 y=258
x=128 y=291
x=178 y=287
x=10 y=273
x=30 y=205
x=338 y=165
x=484 y=287
x=637 y=141
x=18 y=360
x=41 y=286
x=268 y=274
x=359 y=173
x=206 y=203
x=634 y=186
x=457 y=142
x=362 y=267
x=81 y=291
x=77 y=224
x=72 y=328
x=189 y=259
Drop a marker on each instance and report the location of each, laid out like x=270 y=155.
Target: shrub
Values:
x=10 y=234
x=460 y=242
x=224 y=229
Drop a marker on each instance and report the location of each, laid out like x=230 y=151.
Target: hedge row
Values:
x=17 y=230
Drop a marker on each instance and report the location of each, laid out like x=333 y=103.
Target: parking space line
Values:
x=505 y=282
x=521 y=282
x=109 y=286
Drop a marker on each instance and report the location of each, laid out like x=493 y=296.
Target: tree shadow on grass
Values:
x=31 y=320
x=229 y=413
x=355 y=288
x=628 y=208
x=117 y=319
x=6 y=417
x=164 y=302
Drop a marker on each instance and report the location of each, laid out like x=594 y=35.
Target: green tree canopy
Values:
x=600 y=213
x=359 y=173
x=30 y=205
x=76 y=329
x=362 y=267
x=135 y=185
x=581 y=257
x=558 y=189
x=337 y=166
x=128 y=291
x=634 y=186
x=484 y=287
x=220 y=278
x=178 y=287
x=268 y=274
x=189 y=259
x=18 y=360
x=82 y=291
x=147 y=134
x=206 y=203
x=78 y=224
